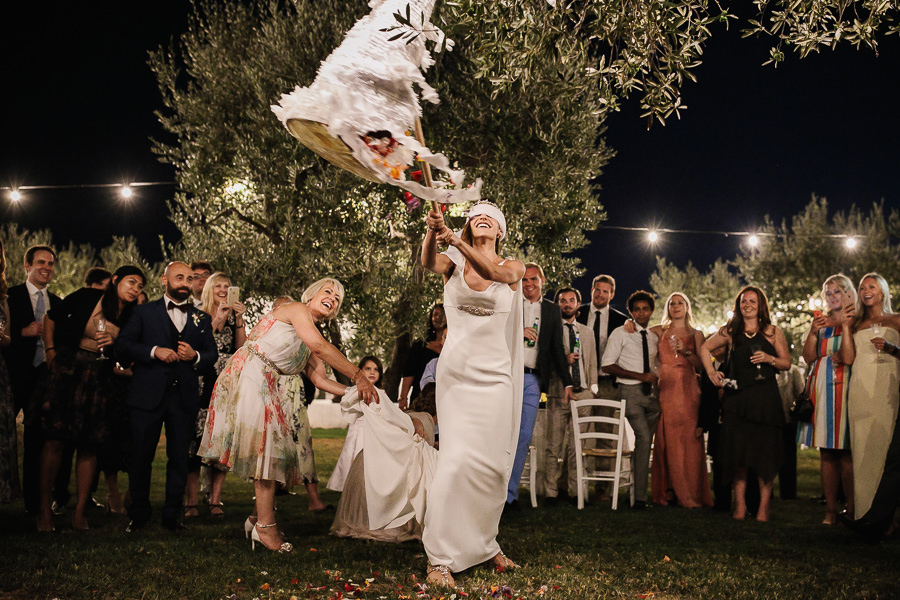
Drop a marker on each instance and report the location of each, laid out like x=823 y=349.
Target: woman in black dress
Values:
x=420 y=354
x=752 y=416
x=78 y=336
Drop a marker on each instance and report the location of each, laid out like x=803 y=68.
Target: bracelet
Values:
x=49 y=349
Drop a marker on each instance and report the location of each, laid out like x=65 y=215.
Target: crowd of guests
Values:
x=99 y=373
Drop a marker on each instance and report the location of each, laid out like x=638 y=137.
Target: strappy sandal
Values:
x=191 y=511
x=254 y=537
x=503 y=563
x=439 y=576
x=217 y=511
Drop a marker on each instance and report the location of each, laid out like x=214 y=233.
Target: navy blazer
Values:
x=149 y=326
x=616 y=319
x=551 y=352
x=20 y=352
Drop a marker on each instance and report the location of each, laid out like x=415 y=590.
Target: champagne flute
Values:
x=877 y=331
x=672 y=339
x=101 y=328
x=754 y=348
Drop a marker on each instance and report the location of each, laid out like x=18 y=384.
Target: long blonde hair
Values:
x=688 y=315
x=208 y=303
x=885 y=298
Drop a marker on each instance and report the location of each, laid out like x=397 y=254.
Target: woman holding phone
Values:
x=219 y=299
x=828 y=385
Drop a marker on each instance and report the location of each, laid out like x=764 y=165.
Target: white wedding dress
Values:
x=479 y=404
x=460 y=491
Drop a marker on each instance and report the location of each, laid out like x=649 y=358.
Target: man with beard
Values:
x=578 y=342
x=170 y=342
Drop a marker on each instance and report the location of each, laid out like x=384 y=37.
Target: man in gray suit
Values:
x=581 y=355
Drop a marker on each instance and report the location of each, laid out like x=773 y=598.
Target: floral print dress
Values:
x=257 y=425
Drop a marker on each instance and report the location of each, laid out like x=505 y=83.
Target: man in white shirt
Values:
x=631 y=358
x=581 y=356
x=544 y=355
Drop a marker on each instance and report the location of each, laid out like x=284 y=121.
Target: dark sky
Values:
x=79 y=101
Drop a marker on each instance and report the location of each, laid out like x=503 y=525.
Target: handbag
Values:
x=802 y=408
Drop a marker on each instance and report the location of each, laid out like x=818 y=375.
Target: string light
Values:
x=850 y=243
x=653 y=237
x=15 y=195
x=126 y=191
x=753 y=241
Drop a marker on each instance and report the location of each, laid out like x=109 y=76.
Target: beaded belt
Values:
x=263 y=358
x=475 y=310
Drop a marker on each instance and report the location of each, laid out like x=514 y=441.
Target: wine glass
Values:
x=101 y=328
x=754 y=348
x=877 y=331
x=672 y=339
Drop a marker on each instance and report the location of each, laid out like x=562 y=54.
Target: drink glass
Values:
x=101 y=328
x=754 y=348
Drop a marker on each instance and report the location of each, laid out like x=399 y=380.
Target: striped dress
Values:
x=828 y=386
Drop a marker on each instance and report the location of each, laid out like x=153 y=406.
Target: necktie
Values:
x=39 y=310
x=597 y=332
x=645 y=350
x=573 y=347
x=182 y=307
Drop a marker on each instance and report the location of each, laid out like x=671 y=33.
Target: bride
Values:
x=479 y=392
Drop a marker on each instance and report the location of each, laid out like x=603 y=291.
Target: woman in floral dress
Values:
x=250 y=425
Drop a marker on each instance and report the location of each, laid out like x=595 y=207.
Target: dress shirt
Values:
x=429 y=374
x=33 y=291
x=531 y=312
x=179 y=319
x=582 y=366
x=198 y=304
x=624 y=349
x=603 y=314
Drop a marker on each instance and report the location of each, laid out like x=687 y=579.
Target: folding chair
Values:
x=621 y=475
x=529 y=474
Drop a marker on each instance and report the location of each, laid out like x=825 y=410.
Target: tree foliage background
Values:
x=525 y=93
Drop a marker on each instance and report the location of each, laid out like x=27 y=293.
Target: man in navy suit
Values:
x=28 y=302
x=544 y=356
x=170 y=343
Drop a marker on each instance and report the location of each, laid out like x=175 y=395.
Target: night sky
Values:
x=79 y=101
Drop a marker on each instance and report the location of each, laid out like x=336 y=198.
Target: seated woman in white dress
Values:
x=249 y=428
x=352 y=517
x=353 y=442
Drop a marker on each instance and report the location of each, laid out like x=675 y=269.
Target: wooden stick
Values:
x=426 y=168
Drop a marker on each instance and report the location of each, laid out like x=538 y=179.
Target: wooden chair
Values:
x=621 y=475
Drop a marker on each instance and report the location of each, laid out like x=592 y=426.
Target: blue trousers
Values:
x=531 y=398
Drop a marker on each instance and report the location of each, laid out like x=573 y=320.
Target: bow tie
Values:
x=182 y=307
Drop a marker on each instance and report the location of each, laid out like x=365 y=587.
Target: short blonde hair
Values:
x=207 y=300
x=317 y=286
x=841 y=281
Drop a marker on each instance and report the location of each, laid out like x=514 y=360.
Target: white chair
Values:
x=621 y=475
x=529 y=475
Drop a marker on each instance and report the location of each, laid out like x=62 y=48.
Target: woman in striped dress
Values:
x=828 y=384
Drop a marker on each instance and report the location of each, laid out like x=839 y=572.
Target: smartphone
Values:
x=816 y=313
x=234 y=295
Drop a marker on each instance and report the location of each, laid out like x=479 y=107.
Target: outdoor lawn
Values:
x=660 y=553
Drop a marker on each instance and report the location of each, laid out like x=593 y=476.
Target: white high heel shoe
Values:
x=248 y=526
x=254 y=537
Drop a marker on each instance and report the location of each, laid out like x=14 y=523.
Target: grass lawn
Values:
x=662 y=553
